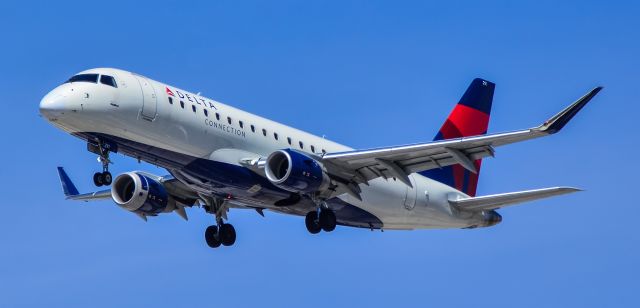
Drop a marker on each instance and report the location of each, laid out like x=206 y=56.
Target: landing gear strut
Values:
x=325 y=219
x=104 y=177
x=221 y=233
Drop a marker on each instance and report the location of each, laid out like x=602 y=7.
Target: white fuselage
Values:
x=139 y=110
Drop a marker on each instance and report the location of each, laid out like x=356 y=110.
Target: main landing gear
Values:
x=104 y=177
x=324 y=219
x=221 y=233
x=224 y=234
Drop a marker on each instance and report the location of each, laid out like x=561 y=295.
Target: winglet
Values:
x=67 y=186
x=558 y=121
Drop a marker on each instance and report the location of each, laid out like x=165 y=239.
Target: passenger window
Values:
x=170 y=100
x=289 y=140
x=313 y=149
x=275 y=135
x=108 y=80
x=182 y=104
x=217 y=116
x=253 y=128
x=301 y=145
x=229 y=120
x=206 y=112
x=264 y=132
x=193 y=107
x=241 y=124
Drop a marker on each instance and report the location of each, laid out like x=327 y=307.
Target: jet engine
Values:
x=140 y=193
x=296 y=172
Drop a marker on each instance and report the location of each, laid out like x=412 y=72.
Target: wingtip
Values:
x=68 y=188
x=596 y=90
x=558 y=121
x=570 y=190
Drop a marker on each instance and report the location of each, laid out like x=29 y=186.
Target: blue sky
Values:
x=364 y=73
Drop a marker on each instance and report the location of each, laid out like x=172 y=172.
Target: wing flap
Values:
x=491 y=202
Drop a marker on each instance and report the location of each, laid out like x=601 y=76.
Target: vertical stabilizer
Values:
x=470 y=117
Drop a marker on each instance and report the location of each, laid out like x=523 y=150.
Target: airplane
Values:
x=220 y=158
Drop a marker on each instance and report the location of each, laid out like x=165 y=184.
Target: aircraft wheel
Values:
x=227 y=234
x=328 y=220
x=97 y=179
x=312 y=223
x=211 y=236
x=106 y=178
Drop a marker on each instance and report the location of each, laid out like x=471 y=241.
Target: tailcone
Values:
x=491 y=218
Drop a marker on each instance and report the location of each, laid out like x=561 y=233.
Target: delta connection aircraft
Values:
x=219 y=158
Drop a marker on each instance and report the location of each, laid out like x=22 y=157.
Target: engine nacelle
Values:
x=296 y=172
x=140 y=193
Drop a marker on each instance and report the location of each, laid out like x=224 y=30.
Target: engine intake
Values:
x=295 y=172
x=139 y=193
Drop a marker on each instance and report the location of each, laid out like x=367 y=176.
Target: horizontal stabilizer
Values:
x=492 y=202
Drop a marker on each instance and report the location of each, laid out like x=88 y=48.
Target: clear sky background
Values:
x=366 y=74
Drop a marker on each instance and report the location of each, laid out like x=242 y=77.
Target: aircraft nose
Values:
x=52 y=105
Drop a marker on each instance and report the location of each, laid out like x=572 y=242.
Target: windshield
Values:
x=108 y=80
x=84 y=78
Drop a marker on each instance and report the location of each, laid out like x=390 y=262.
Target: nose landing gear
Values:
x=104 y=177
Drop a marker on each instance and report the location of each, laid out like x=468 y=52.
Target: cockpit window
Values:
x=108 y=80
x=84 y=78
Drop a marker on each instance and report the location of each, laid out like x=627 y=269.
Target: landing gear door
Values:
x=410 y=197
x=149 y=99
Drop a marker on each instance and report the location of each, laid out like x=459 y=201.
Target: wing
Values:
x=360 y=166
x=492 y=202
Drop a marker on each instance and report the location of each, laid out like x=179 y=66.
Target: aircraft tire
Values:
x=327 y=220
x=227 y=234
x=312 y=223
x=211 y=236
x=97 y=179
x=106 y=178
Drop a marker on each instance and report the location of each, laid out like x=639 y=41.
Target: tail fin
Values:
x=470 y=117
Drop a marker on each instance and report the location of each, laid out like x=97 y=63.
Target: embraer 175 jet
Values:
x=221 y=158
